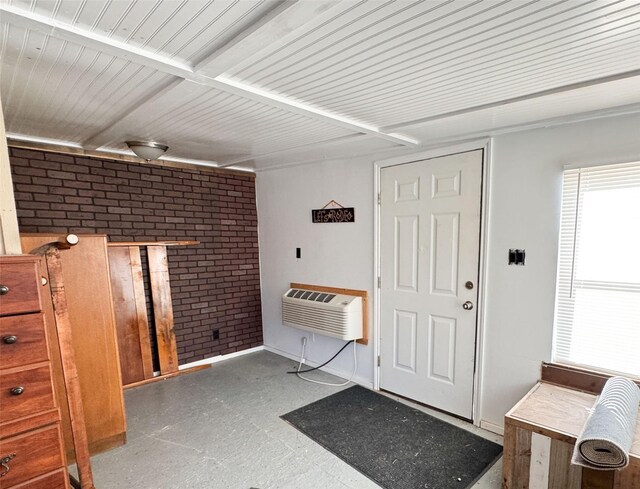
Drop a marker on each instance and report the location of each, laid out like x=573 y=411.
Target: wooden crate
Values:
x=539 y=435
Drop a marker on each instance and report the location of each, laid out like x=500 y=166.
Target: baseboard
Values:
x=492 y=427
x=338 y=373
x=221 y=358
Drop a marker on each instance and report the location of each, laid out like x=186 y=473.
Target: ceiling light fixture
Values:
x=147 y=150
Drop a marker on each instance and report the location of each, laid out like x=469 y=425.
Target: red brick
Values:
x=58 y=157
x=215 y=285
x=27 y=153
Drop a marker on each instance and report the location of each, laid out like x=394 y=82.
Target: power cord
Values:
x=304 y=345
x=298 y=371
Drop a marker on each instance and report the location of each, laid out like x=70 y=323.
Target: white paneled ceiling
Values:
x=187 y=31
x=214 y=125
x=268 y=83
x=62 y=90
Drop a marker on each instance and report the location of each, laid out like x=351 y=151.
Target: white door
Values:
x=429 y=252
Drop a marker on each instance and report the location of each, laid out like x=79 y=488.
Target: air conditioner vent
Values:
x=308 y=295
x=336 y=315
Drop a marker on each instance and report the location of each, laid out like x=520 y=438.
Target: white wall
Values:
x=337 y=255
x=9 y=235
x=525 y=188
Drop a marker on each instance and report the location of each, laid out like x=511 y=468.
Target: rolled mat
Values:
x=608 y=433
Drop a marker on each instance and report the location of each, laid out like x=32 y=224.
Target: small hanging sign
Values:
x=335 y=214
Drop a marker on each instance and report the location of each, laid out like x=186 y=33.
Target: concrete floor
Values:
x=220 y=429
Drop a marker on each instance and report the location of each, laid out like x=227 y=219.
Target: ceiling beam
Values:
x=98 y=42
x=275 y=100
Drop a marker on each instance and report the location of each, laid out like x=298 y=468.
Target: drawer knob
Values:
x=4 y=290
x=4 y=462
x=16 y=391
x=9 y=340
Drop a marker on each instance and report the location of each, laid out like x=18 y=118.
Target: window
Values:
x=597 y=316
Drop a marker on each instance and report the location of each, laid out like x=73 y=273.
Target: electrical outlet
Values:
x=216 y=334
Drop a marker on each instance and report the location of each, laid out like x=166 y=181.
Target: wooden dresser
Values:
x=31 y=447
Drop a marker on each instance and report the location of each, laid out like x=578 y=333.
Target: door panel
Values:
x=429 y=248
x=407 y=259
x=442 y=341
x=405 y=330
x=444 y=253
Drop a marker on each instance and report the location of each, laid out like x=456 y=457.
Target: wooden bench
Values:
x=539 y=435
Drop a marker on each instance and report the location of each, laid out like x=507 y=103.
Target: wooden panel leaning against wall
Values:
x=132 y=323
x=90 y=303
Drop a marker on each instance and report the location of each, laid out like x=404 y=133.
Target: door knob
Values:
x=467 y=306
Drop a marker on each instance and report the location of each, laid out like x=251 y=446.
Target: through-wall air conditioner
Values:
x=336 y=315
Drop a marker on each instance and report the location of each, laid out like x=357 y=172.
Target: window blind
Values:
x=597 y=314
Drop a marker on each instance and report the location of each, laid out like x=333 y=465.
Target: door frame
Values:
x=486 y=145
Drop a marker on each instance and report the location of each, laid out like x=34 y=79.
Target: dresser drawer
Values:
x=22 y=340
x=54 y=480
x=19 y=286
x=35 y=454
x=36 y=395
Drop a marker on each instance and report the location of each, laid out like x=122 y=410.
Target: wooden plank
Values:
x=522 y=461
x=539 y=467
x=126 y=314
x=162 y=309
x=563 y=475
x=69 y=369
x=337 y=290
x=628 y=477
x=597 y=479
x=115 y=244
x=86 y=275
x=575 y=378
x=167 y=376
x=508 y=454
x=545 y=411
x=141 y=311
x=545 y=431
x=517 y=458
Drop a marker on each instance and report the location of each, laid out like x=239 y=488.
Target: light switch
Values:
x=516 y=257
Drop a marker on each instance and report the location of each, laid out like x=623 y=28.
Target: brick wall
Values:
x=214 y=285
